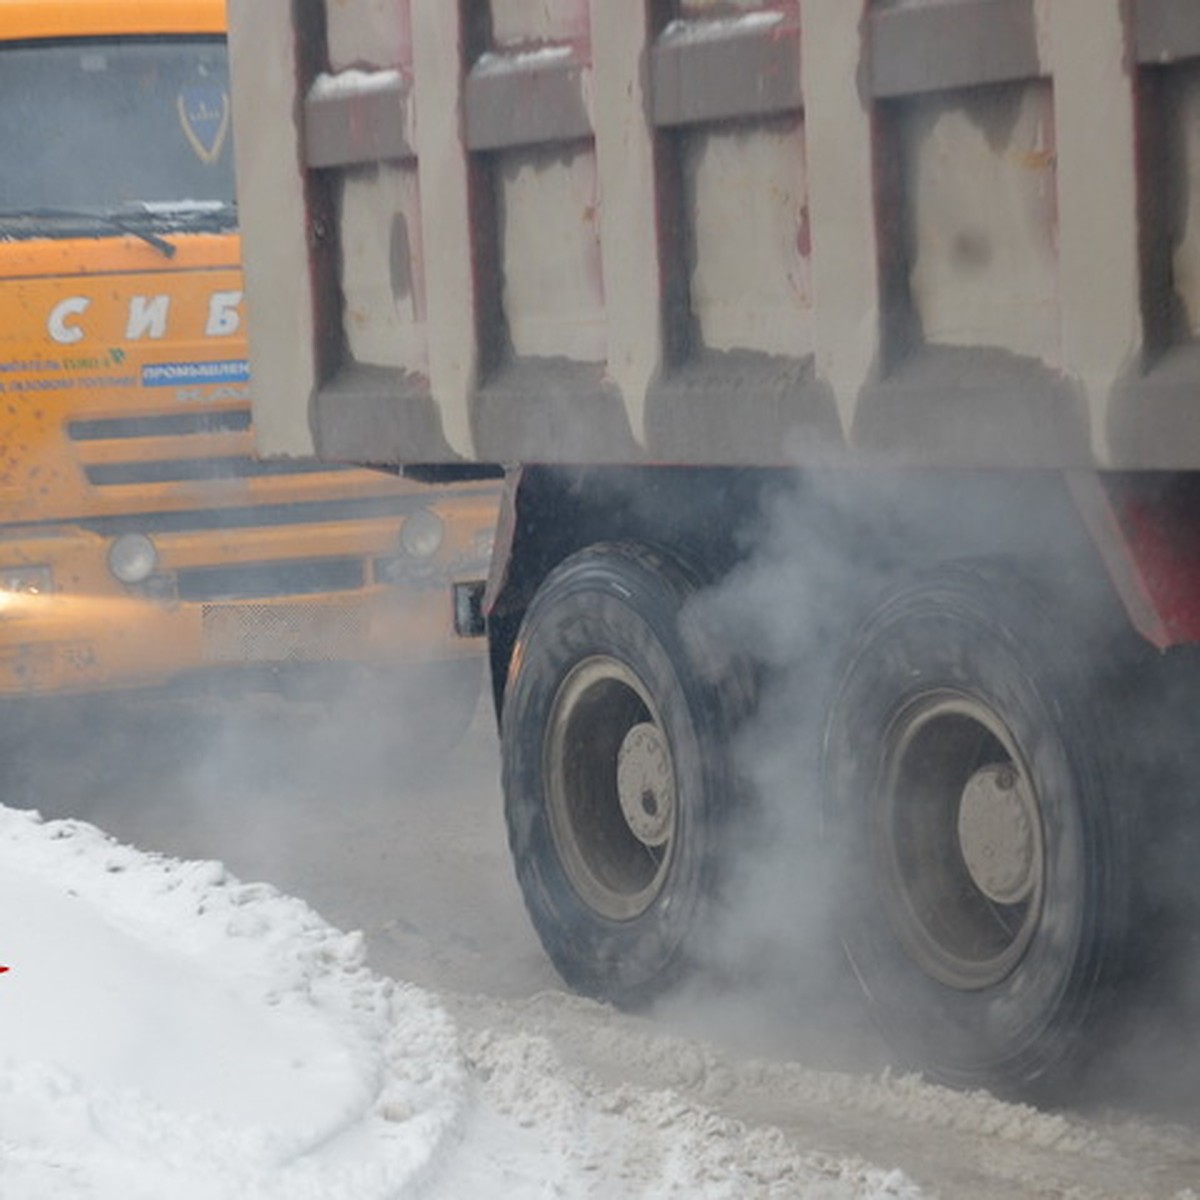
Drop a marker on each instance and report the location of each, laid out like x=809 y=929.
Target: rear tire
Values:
x=971 y=798
x=617 y=782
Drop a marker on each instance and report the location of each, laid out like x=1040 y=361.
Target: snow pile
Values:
x=166 y=1030
x=628 y=1141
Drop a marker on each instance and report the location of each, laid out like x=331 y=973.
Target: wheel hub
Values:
x=610 y=788
x=996 y=833
x=960 y=841
x=646 y=784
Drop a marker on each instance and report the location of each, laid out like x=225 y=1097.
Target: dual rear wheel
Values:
x=971 y=797
x=970 y=807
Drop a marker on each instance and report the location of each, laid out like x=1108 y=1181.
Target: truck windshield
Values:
x=138 y=128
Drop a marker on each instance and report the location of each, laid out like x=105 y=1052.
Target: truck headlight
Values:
x=132 y=558
x=421 y=534
x=26 y=581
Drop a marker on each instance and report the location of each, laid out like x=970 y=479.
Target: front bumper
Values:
x=91 y=634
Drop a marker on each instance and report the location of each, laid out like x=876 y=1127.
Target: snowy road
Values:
x=415 y=858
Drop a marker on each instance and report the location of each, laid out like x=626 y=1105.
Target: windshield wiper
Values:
x=125 y=222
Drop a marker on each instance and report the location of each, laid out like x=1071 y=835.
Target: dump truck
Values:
x=143 y=545
x=841 y=359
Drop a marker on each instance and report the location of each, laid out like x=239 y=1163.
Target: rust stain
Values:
x=1037 y=160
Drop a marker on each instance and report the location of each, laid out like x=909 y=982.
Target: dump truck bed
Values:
x=963 y=233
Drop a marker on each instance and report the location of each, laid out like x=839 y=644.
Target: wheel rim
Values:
x=610 y=788
x=958 y=841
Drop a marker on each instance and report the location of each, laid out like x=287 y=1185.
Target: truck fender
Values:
x=1144 y=527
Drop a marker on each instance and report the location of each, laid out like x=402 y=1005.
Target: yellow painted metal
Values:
x=23 y=20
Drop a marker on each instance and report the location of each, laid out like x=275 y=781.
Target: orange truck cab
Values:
x=142 y=542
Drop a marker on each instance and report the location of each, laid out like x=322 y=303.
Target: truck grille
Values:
x=104 y=429
x=282 y=633
x=200 y=470
x=257 y=581
x=166 y=448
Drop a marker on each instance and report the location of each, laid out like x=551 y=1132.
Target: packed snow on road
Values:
x=170 y=1031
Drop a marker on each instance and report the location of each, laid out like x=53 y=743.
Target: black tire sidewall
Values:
x=615 y=601
x=991 y=639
